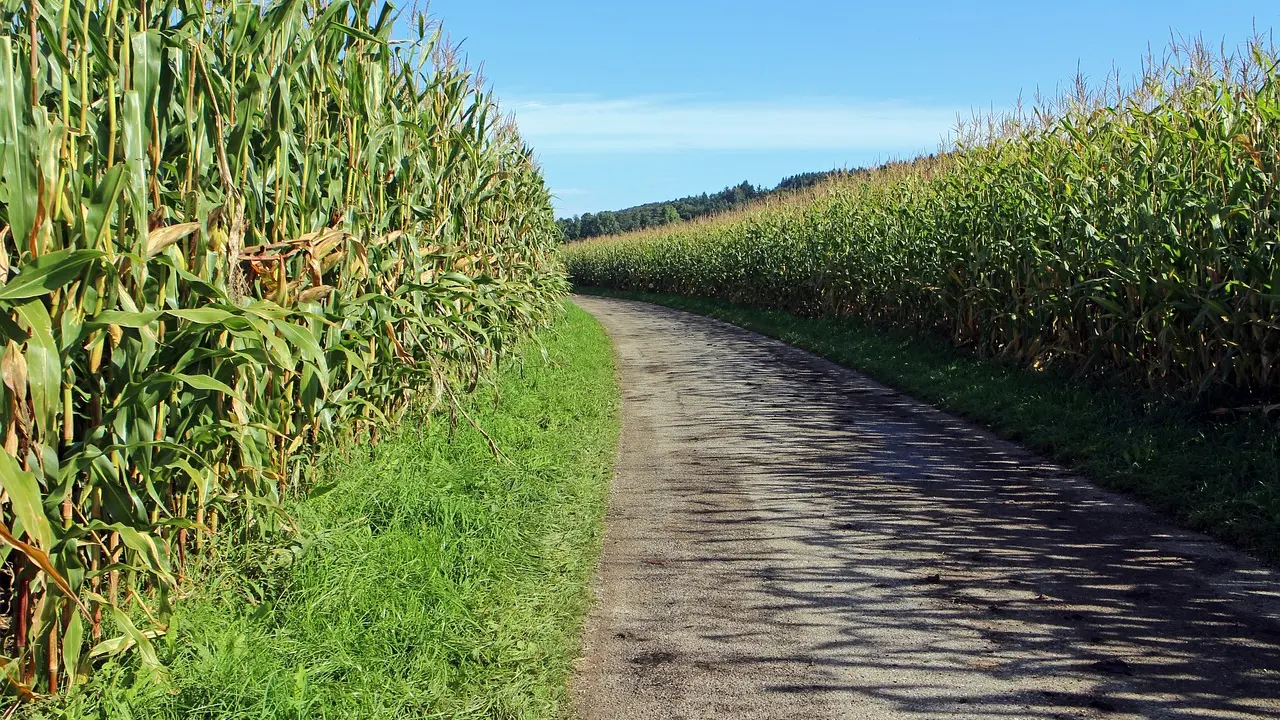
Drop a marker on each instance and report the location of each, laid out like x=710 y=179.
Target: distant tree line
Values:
x=589 y=225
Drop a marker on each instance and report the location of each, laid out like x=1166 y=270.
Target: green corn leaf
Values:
x=102 y=204
x=28 y=507
x=147 y=547
x=146 y=651
x=135 y=144
x=302 y=339
x=124 y=318
x=202 y=382
x=73 y=648
x=44 y=369
x=47 y=273
x=203 y=316
x=146 y=68
x=16 y=160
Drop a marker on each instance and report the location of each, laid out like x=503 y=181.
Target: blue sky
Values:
x=636 y=101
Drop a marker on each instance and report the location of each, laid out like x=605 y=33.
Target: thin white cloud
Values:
x=651 y=124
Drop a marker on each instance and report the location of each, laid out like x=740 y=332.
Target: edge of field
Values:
x=1214 y=473
x=431 y=580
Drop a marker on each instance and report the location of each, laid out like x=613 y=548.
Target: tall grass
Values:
x=231 y=229
x=1126 y=233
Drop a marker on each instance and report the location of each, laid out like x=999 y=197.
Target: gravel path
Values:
x=788 y=539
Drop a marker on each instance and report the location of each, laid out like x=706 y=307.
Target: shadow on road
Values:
x=896 y=555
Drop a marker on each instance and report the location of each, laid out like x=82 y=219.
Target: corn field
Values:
x=1128 y=232
x=231 y=231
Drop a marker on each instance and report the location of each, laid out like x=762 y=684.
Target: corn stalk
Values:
x=1131 y=234
x=231 y=230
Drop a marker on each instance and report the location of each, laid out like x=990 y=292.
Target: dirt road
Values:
x=788 y=539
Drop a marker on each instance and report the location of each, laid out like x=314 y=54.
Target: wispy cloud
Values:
x=655 y=124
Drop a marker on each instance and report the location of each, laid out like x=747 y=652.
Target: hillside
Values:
x=639 y=217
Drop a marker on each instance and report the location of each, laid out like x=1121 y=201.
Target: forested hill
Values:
x=660 y=213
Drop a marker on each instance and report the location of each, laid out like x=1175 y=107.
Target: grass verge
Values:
x=432 y=580
x=1216 y=474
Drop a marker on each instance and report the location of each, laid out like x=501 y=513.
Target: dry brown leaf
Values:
x=163 y=237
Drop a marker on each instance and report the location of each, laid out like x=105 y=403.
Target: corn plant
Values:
x=230 y=230
x=1131 y=234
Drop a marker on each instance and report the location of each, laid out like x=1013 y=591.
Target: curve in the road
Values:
x=788 y=539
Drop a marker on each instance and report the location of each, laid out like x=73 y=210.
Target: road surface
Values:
x=788 y=539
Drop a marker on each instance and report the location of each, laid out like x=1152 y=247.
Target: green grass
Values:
x=1217 y=474
x=433 y=581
